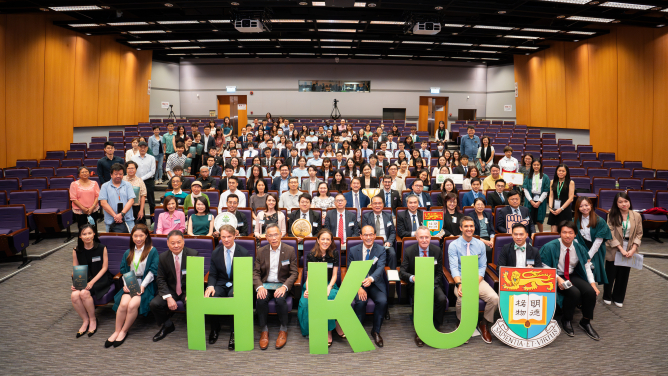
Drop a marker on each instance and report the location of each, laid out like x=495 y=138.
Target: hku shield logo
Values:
x=527 y=300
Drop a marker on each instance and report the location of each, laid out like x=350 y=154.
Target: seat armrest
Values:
x=493 y=266
x=118 y=276
x=403 y=283
x=343 y=272
x=388 y=281
x=448 y=276
x=206 y=278
x=298 y=282
x=491 y=275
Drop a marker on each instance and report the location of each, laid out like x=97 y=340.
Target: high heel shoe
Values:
x=81 y=334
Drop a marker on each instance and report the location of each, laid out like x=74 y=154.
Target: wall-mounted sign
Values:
x=241 y=107
x=508 y=107
x=164 y=104
x=212 y=113
x=515 y=89
x=149 y=87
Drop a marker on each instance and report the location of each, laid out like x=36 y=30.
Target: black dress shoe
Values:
x=568 y=328
x=418 y=341
x=213 y=336
x=589 y=330
x=377 y=338
x=163 y=332
x=387 y=315
x=230 y=346
x=90 y=334
x=118 y=343
x=81 y=334
x=108 y=344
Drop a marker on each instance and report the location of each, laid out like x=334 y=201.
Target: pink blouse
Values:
x=85 y=195
x=167 y=223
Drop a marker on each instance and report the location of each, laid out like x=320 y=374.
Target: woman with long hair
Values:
x=526 y=165
x=403 y=172
x=351 y=170
x=358 y=159
x=227 y=128
x=472 y=173
x=338 y=183
x=485 y=156
x=256 y=174
x=409 y=144
x=134 y=151
x=142 y=259
x=455 y=159
x=180 y=136
x=335 y=130
x=323 y=251
x=536 y=188
x=259 y=197
x=300 y=171
x=268 y=216
x=346 y=150
x=368 y=132
x=367 y=180
x=452 y=215
x=84 y=194
x=329 y=152
x=593 y=231
x=442 y=162
x=326 y=170
x=91 y=253
x=562 y=192
x=426 y=181
x=355 y=141
x=308 y=152
x=322 y=199
x=442 y=133
x=401 y=156
x=395 y=131
x=447 y=187
x=201 y=222
x=448 y=159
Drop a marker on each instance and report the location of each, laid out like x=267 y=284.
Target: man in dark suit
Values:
x=410 y=220
x=424 y=199
x=305 y=212
x=499 y=197
x=339 y=162
x=424 y=248
x=514 y=208
x=171 y=280
x=208 y=141
x=373 y=285
x=519 y=254
x=293 y=160
x=375 y=143
x=275 y=263
x=391 y=198
x=355 y=198
x=341 y=222
x=270 y=145
x=204 y=178
x=213 y=169
x=384 y=227
x=221 y=276
x=280 y=183
x=463 y=168
x=267 y=159
x=222 y=183
x=232 y=203
x=285 y=152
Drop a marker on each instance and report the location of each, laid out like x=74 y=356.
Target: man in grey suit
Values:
x=383 y=226
x=311 y=183
x=341 y=222
x=373 y=285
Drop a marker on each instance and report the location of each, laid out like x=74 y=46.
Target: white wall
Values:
x=164 y=88
x=500 y=92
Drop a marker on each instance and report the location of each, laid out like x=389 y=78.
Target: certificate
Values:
x=513 y=177
x=456 y=178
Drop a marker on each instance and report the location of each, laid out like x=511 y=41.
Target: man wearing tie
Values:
x=409 y=221
x=425 y=153
x=267 y=161
x=514 y=209
x=250 y=152
x=391 y=198
x=285 y=152
x=339 y=163
x=207 y=140
x=305 y=212
x=171 y=281
x=366 y=152
x=355 y=198
x=463 y=168
x=475 y=192
x=221 y=278
x=384 y=227
x=499 y=196
x=293 y=160
x=424 y=248
x=467 y=245
x=424 y=199
x=375 y=144
x=373 y=285
x=391 y=145
x=275 y=264
x=212 y=168
x=341 y=222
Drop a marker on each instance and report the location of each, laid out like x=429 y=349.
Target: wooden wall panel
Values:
x=660 y=118
x=59 y=58
x=555 y=86
x=126 y=87
x=3 y=137
x=110 y=66
x=576 y=69
x=24 y=86
x=635 y=94
x=142 y=99
x=537 y=84
x=603 y=92
x=86 y=81
x=523 y=100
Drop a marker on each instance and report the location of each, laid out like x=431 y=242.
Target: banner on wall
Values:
x=241 y=107
x=508 y=107
x=164 y=104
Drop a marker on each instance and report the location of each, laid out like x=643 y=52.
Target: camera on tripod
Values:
x=335 y=111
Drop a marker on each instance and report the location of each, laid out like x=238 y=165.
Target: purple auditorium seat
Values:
x=598 y=172
x=67 y=171
x=542 y=238
x=204 y=245
x=577 y=171
x=500 y=240
x=633 y=164
x=213 y=211
x=550 y=154
x=96 y=146
x=549 y=170
x=9 y=184
x=116 y=245
x=79 y=146
x=249 y=244
x=75 y=154
x=617 y=173
x=585 y=148
x=606 y=156
x=587 y=156
x=49 y=163
x=34 y=183
x=533 y=141
x=42 y=172
x=550 y=142
x=3 y=197
x=71 y=163
x=309 y=243
x=642 y=173
x=612 y=164
x=662 y=199
x=115 y=133
x=249 y=217
x=95 y=179
x=569 y=155
x=55 y=213
x=567 y=148
x=550 y=135
x=571 y=163
x=94 y=154
x=592 y=164
x=160 y=243
x=434 y=196
x=655 y=184
x=26 y=163
x=90 y=161
x=605 y=199
x=643 y=200
x=601 y=182
x=550 y=162
x=60 y=182
x=662 y=174
x=99 y=139
x=19 y=173
x=29 y=199
x=55 y=154
x=14 y=232
x=119 y=153
x=582 y=182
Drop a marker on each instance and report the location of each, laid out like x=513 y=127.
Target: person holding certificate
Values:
x=562 y=193
x=142 y=260
x=91 y=253
x=508 y=163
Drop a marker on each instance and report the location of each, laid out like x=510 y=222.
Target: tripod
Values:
x=171 y=112
x=335 y=111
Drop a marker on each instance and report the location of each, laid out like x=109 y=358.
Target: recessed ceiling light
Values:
x=169 y=5
x=520 y=37
x=220 y=21
x=89 y=34
x=338 y=30
x=140 y=42
x=360 y=4
x=485 y=52
x=614 y=4
x=318 y=3
x=214 y=30
x=400 y=55
x=494 y=45
x=581 y=2
x=234 y=3
x=453 y=25
x=176 y=22
x=590 y=19
x=337 y=40
x=501 y=12
x=338 y=21
x=527 y=47
x=184 y=47
x=416 y=42
x=174 y=41
x=376 y=41
x=661 y=25
x=438 y=7
x=126 y=23
x=138 y=49
x=388 y=23
x=212 y=40
x=84 y=25
x=581 y=32
x=303 y=3
x=435 y=57
x=665 y=10
x=492 y=27
x=147 y=32
x=75 y=8
x=253 y=40
x=287 y=21
x=541 y=30
x=576 y=40
x=334 y=46
x=456 y=44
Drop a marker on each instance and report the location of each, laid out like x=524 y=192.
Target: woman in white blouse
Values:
x=142 y=259
x=134 y=151
x=508 y=163
x=265 y=217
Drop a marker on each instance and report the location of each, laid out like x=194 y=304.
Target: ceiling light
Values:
x=438 y=7
x=147 y=32
x=453 y=25
x=334 y=46
x=614 y=4
x=126 y=23
x=212 y=40
x=488 y=58
x=581 y=2
x=337 y=40
x=139 y=41
x=485 y=52
x=253 y=40
x=492 y=27
x=456 y=44
x=234 y=3
x=338 y=30
x=415 y=42
x=303 y=3
x=84 y=25
x=377 y=41
x=367 y=54
x=435 y=57
x=294 y=40
x=205 y=53
x=220 y=21
x=527 y=47
x=360 y=4
x=501 y=12
x=184 y=47
x=169 y=5
x=75 y=8
x=590 y=19
x=174 y=41
x=237 y=53
x=269 y=53
x=287 y=21
x=520 y=37
x=661 y=25
x=665 y=10
x=176 y=54
x=176 y=22
x=388 y=23
x=338 y=21
x=576 y=40
x=89 y=34
x=541 y=30
x=318 y=3
x=581 y=32
x=494 y=45
x=400 y=55
x=302 y=53
x=372 y=5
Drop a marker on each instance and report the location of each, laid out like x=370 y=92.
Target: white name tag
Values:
x=177 y=221
x=96 y=259
x=375 y=259
x=262 y=221
x=485 y=220
x=183 y=271
x=388 y=224
x=330 y=266
x=315 y=224
x=530 y=262
x=557 y=204
x=429 y=203
x=435 y=262
x=285 y=262
x=241 y=223
x=228 y=284
x=351 y=224
x=454 y=219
